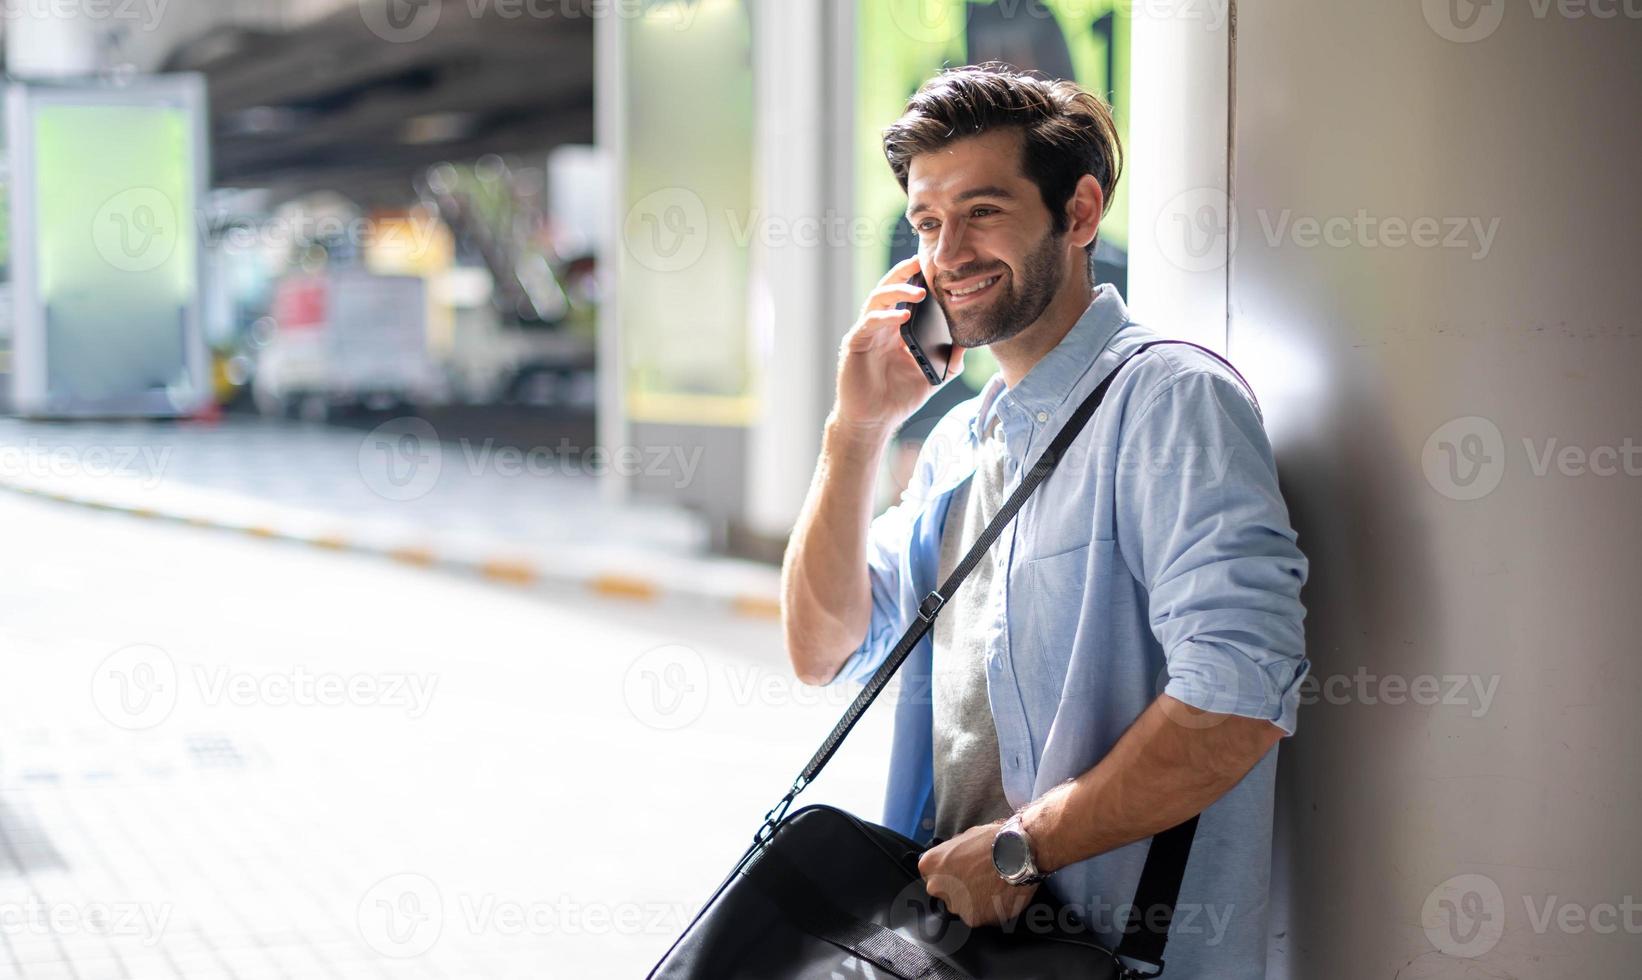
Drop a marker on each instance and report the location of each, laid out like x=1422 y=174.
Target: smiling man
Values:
x=1130 y=652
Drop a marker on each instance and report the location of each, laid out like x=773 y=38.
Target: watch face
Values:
x=1009 y=853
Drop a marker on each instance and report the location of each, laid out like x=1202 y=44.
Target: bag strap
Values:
x=1146 y=929
x=1159 y=886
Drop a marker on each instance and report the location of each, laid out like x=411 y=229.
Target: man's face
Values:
x=985 y=239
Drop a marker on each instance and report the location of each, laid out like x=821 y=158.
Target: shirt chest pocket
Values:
x=1051 y=604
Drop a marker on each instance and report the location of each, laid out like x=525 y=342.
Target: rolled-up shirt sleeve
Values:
x=1204 y=527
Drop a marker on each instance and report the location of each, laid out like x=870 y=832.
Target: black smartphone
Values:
x=926 y=333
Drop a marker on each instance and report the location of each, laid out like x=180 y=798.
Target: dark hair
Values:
x=1068 y=132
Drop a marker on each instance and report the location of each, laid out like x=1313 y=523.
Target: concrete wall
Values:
x=1433 y=285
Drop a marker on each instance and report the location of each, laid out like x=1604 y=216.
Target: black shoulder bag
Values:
x=822 y=893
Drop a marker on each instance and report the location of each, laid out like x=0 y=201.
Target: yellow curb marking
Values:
x=420 y=557
x=505 y=570
x=502 y=570
x=625 y=586
x=760 y=607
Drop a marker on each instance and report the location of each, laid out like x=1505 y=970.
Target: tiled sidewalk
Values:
x=190 y=851
x=572 y=781
x=204 y=870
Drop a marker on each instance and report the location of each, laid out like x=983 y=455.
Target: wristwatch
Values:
x=1013 y=856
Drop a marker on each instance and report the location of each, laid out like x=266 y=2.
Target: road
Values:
x=222 y=756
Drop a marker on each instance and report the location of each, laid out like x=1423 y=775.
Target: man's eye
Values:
x=926 y=226
x=983 y=212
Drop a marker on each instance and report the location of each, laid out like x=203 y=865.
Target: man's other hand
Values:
x=959 y=872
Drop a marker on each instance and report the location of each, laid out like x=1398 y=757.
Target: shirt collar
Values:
x=1058 y=372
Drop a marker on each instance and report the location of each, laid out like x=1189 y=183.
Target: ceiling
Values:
x=332 y=105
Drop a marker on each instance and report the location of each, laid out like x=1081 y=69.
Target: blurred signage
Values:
x=106 y=181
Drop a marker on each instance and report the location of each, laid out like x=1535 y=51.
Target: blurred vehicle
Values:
x=346 y=339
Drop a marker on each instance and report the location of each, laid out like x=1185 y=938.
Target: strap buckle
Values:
x=777 y=813
x=930 y=606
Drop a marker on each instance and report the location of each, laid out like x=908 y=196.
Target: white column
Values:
x=609 y=100
x=798 y=238
x=1180 y=233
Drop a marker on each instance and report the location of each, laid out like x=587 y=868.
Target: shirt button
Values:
x=929 y=824
x=1043 y=416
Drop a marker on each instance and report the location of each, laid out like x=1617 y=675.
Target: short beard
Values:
x=1028 y=296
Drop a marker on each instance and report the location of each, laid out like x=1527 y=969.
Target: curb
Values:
x=509 y=570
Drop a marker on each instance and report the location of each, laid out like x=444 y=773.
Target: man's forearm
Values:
x=1169 y=766
x=825 y=597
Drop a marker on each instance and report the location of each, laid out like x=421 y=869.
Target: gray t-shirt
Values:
x=968 y=774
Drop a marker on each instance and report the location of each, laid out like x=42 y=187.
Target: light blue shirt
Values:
x=1157 y=559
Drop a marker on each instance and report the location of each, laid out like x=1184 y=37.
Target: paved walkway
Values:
x=556 y=785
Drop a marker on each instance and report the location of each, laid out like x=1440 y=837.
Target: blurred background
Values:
x=406 y=404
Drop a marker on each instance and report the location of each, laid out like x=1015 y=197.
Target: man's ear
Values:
x=1084 y=210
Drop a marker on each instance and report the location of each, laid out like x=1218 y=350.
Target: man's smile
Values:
x=971 y=290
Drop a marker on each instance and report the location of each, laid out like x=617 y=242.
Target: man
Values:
x=1130 y=651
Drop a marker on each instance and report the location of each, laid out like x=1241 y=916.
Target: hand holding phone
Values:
x=880 y=382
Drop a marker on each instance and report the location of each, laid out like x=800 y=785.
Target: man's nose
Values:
x=952 y=249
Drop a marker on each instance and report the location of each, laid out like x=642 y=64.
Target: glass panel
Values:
x=689 y=186
x=117 y=263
